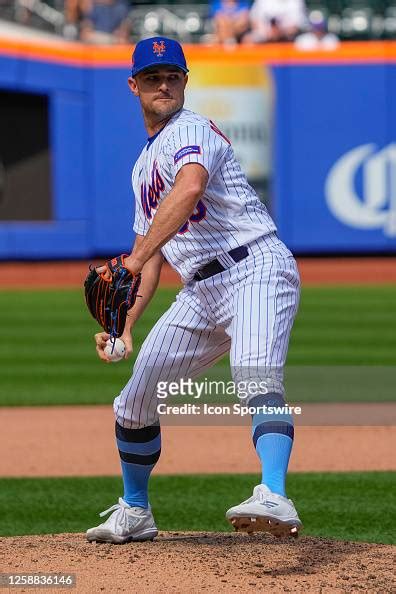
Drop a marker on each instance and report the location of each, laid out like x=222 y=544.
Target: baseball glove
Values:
x=111 y=294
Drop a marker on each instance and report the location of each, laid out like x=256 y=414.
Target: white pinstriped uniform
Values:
x=234 y=216
x=248 y=309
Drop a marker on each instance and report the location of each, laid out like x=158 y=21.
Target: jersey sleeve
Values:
x=197 y=143
x=140 y=225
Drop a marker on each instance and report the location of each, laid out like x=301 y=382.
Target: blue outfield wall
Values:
x=96 y=134
x=335 y=157
x=334 y=184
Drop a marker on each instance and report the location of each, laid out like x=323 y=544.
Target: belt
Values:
x=214 y=267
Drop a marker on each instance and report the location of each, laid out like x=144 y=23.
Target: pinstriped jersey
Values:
x=228 y=215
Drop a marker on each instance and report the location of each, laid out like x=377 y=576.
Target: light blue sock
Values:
x=274 y=450
x=273 y=435
x=136 y=477
x=139 y=451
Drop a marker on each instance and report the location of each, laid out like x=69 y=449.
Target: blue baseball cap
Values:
x=157 y=51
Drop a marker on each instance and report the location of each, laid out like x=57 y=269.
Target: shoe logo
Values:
x=269 y=504
x=132 y=521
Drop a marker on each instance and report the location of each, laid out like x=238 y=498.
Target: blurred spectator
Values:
x=106 y=22
x=318 y=37
x=231 y=20
x=74 y=11
x=275 y=20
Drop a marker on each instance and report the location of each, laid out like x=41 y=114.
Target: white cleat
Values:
x=265 y=512
x=125 y=524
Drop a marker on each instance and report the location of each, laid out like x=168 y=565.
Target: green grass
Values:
x=347 y=506
x=48 y=357
x=345 y=326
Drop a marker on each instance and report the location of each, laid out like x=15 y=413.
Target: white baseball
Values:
x=115 y=351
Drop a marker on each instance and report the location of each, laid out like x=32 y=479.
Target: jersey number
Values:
x=198 y=214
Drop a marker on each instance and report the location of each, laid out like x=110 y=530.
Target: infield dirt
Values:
x=313 y=271
x=194 y=562
x=54 y=438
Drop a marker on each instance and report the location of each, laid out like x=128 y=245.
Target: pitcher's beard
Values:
x=165 y=111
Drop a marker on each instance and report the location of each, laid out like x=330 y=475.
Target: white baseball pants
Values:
x=248 y=310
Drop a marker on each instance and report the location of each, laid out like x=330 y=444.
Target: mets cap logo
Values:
x=159 y=48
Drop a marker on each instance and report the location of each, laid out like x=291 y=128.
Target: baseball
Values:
x=117 y=353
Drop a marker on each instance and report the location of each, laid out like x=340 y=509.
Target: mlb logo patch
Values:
x=187 y=150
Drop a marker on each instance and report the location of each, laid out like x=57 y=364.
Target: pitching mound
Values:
x=191 y=562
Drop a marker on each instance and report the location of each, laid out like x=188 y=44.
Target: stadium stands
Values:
x=191 y=22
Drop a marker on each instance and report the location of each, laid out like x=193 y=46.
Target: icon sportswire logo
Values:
x=374 y=207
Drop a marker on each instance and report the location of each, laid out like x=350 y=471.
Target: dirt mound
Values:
x=191 y=562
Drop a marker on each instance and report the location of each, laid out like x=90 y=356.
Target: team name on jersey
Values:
x=150 y=193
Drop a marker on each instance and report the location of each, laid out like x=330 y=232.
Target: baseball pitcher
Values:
x=195 y=208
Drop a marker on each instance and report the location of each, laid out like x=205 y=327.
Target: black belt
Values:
x=214 y=267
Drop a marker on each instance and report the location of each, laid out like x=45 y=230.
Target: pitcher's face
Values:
x=160 y=90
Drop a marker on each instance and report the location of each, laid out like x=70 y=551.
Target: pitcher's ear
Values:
x=133 y=86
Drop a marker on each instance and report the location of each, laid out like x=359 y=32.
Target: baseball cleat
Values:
x=265 y=512
x=126 y=524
